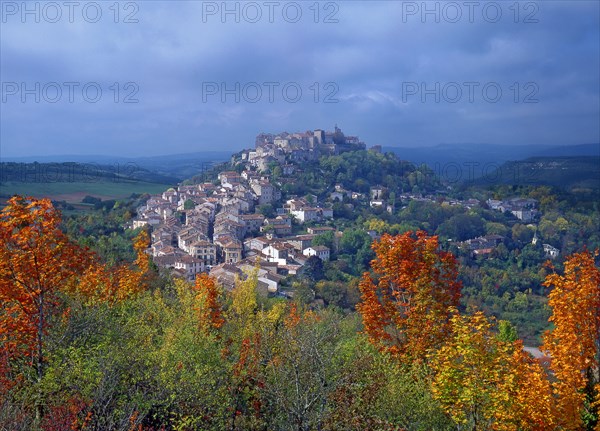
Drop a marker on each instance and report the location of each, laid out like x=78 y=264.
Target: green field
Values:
x=74 y=192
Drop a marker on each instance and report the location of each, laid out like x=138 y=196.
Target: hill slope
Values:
x=564 y=172
x=73 y=181
x=486 y=154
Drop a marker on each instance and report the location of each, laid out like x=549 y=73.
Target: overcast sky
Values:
x=390 y=72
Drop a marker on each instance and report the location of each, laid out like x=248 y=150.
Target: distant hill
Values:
x=73 y=181
x=79 y=172
x=177 y=166
x=564 y=172
x=184 y=166
x=482 y=154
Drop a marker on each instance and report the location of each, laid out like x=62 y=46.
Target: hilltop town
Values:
x=239 y=221
x=222 y=232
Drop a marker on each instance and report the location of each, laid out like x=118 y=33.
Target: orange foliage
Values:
x=533 y=406
x=210 y=312
x=293 y=318
x=73 y=415
x=102 y=283
x=140 y=244
x=246 y=376
x=36 y=260
x=523 y=399
x=405 y=307
x=574 y=342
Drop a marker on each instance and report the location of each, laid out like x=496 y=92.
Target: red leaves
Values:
x=103 y=283
x=73 y=415
x=293 y=318
x=405 y=308
x=36 y=259
x=210 y=312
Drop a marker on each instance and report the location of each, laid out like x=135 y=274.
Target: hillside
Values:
x=173 y=166
x=570 y=173
x=481 y=154
x=71 y=181
x=179 y=343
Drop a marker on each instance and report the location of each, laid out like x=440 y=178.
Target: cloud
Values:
x=362 y=64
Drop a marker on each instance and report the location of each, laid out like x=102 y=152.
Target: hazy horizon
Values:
x=91 y=156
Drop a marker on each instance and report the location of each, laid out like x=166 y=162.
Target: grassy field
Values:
x=74 y=192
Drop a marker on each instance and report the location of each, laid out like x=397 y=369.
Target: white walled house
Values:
x=550 y=251
x=190 y=266
x=306 y=214
x=276 y=253
x=320 y=251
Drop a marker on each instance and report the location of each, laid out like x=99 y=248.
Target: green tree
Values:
x=267 y=210
x=313 y=269
x=189 y=205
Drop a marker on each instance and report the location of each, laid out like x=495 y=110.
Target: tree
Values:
x=521 y=233
x=303 y=291
x=299 y=369
x=210 y=312
x=461 y=227
x=377 y=225
x=113 y=284
x=189 y=204
x=244 y=305
x=486 y=383
x=406 y=304
x=193 y=372
x=36 y=261
x=353 y=240
x=506 y=331
x=326 y=239
x=313 y=269
x=574 y=343
x=267 y=210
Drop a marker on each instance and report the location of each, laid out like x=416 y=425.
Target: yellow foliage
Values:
x=572 y=344
x=244 y=304
x=488 y=383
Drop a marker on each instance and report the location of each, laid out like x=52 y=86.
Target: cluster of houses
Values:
x=218 y=227
x=525 y=209
x=484 y=245
x=379 y=196
x=203 y=228
x=481 y=246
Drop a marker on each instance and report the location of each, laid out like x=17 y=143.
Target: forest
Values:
x=93 y=338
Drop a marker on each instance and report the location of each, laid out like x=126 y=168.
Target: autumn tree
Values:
x=574 y=342
x=114 y=283
x=405 y=303
x=36 y=261
x=485 y=383
x=244 y=306
x=193 y=371
x=209 y=308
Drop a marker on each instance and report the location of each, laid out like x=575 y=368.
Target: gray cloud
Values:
x=371 y=55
